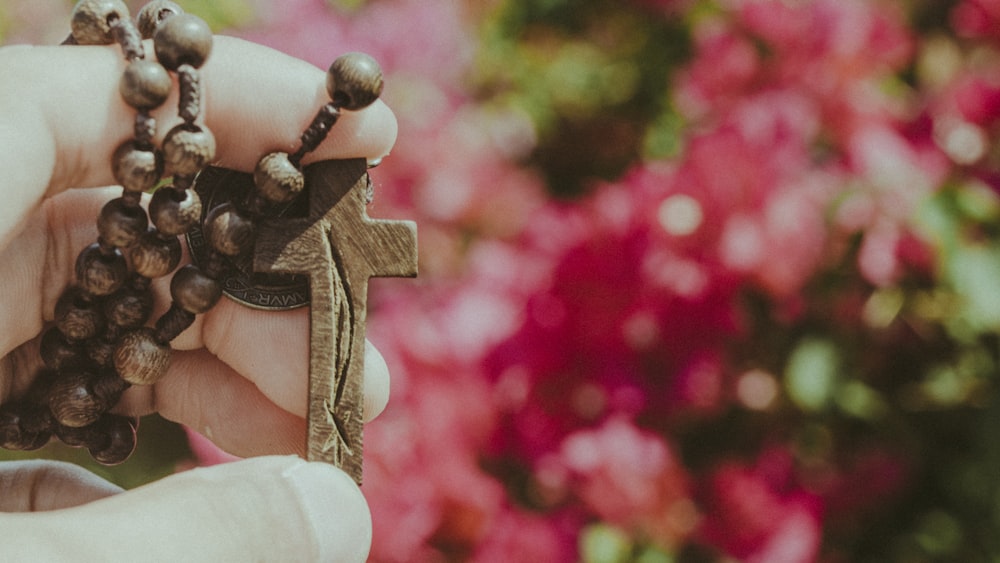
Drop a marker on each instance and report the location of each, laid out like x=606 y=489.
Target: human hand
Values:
x=62 y=118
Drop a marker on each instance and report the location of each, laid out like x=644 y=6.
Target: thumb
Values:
x=260 y=509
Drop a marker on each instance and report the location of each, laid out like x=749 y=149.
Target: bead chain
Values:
x=100 y=343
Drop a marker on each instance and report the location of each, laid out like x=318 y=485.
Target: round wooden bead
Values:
x=193 y=291
x=153 y=14
x=99 y=273
x=174 y=211
x=182 y=39
x=187 y=148
x=128 y=307
x=137 y=169
x=139 y=358
x=108 y=387
x=100 y=351
x=15 y=431
x=228 y=231
x=89 y=436
x=154 y=256
x=77 y=317
x=38 y=391
x=145 y=84
x=72 y=402
x=278 y=180
x=121 y=223
x=36 y=417
x=119 y=433
x=92 y=20
x=57 y=352
x=354 y=81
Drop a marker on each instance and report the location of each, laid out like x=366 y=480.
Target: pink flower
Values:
x=977 y=18
x=978 y=99
x=520 y=536
x=725 y=67
x=630 y=478
x=756 y=515
x=608 y=329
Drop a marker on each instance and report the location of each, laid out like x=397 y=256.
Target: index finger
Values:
x=63 y=116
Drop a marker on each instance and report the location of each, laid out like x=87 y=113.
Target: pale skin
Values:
x=238 y=375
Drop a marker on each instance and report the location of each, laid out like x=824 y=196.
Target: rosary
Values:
x=284 y=236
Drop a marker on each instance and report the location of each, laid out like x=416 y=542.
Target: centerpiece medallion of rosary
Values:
x=284 y=236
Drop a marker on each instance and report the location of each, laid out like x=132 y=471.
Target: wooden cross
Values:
x=339 y=248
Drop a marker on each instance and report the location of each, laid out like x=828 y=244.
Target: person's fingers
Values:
x=203 y=393
x=376 y=382
x=229 y=512
x=40 y=485
x=269 y=348
x=208 y=396
x=60 y=128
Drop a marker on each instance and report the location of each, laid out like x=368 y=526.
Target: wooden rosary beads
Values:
x=101 y=343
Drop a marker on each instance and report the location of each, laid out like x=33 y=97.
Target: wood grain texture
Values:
x=339 y=248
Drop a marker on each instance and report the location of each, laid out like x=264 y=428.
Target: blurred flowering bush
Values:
x=701 y=280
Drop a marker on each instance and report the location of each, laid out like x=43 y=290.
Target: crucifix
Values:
x=338 y=248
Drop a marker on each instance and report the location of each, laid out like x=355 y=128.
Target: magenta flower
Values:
x=756 y=515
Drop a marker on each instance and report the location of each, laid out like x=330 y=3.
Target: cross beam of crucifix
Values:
x=339 y=248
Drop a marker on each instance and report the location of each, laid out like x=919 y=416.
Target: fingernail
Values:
x=335 y=508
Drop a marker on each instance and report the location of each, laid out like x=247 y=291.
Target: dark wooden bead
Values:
x=10 y=425
x=38 y=391
x=276 y=179
x=145 y=84
x=99 y=272
x=36 y=417
x=140 y=358
x=187 y=148
x=120 y=223
x=14 y=427
x=72 y=401
x=354 y=81
x=108 y=387
x=120 y=435
x=59 y=353
x=229 y=231
x=194 y=291
x=100 y=351
x=137 y=169
x=182 y=39
x=155 y=256
x=30 y=441
x=128 y=307
x=153 y=13
x=183 y=181
x=189 y=105
x=215 y=265
x=174 y=211
x=173 y=322
x=82 y=437
x=77 y=317
x=92 y=20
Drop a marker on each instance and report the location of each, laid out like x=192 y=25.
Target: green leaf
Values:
x=220 y=14
x=811 y=373
x=602 y=543
x=348 y=6
x=974 y=271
